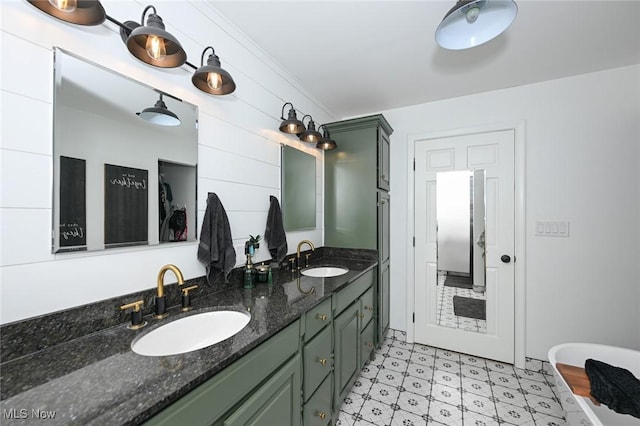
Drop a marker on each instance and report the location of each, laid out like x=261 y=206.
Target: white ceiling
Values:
x=359 y=57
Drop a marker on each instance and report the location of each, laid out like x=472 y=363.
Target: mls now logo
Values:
x=23 y=413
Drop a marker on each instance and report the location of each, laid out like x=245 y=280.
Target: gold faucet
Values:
x=161 y=300
x=298 y=250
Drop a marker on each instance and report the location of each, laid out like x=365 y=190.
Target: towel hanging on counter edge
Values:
x=274 y=233
x=215 y=250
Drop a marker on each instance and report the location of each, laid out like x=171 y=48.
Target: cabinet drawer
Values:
x=317 y=318
x=318 y=361
x=349 y=294
x=366 y=308
x=317 y=412
x=367 y=343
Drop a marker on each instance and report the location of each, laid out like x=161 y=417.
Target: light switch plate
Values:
x=552 y=229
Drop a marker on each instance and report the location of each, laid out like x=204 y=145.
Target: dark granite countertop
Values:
x=98 y=379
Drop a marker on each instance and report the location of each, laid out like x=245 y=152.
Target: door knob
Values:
x=505 y=258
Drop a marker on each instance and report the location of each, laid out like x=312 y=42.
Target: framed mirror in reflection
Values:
x=298 y=189
x=461 y=226
x=124 y=161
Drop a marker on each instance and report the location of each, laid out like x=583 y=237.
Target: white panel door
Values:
x=492 y=152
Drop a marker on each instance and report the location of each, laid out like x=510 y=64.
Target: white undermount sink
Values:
x=324 y=271
x=191 y=333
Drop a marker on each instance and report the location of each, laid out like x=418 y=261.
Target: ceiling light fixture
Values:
x=211 y=78
x=471 y=23
x=159 y=114
x=291 y=125
x=326 y=142
x=152 y=44
x=80 y=12
x=310 y=135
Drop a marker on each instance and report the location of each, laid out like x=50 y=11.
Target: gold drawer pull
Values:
x=321 y=317
x=321 y=415
x=322 y=361
x=369 y=308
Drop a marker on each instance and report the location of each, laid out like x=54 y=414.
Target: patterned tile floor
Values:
x=412 y=384
x=446 y=316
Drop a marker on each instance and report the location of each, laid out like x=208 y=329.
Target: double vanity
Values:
x=291 y=363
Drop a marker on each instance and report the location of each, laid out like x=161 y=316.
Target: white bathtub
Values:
x=580 y=410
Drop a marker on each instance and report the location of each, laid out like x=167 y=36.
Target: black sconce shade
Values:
x=211 y=78
x=326 y=142
x=80 y=12
x=311 y=134
x=152 y=44
x=291 y=125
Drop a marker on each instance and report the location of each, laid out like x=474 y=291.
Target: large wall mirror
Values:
x=460 y=213
x=120 y=177
x=298 y=189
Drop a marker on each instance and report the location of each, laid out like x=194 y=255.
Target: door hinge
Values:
x=414 y=317
x=414 y=241
x=414 y=164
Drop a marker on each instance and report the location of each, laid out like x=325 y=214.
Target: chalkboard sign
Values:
x=73 y=209
x=126 y=206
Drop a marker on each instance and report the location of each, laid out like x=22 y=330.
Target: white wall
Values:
x=239 y=149
x=582 y=162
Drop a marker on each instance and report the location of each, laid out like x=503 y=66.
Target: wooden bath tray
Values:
x=577 y=380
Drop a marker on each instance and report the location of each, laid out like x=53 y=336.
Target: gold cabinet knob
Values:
x=361 y=315
x=369 y=308
x=321 y=317
x=322 y=361
x=321 y=415
x=370 y=344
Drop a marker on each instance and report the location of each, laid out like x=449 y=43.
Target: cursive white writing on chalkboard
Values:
x=71 y=230
x=129 y=181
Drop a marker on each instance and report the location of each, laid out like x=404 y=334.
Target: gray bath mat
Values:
x=469 y=308
x=457 y=281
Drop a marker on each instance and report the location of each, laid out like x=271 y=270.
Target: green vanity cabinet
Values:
x=277 y=402
x=265 y=382
x=357 y=198
x=352 y=324
x=347 y=347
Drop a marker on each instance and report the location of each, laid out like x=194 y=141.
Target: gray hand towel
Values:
x=216 y=250
x=274 y=234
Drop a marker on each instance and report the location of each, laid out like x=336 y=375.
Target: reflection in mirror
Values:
x=460 y=213
x=298 y=189
x=118 y=180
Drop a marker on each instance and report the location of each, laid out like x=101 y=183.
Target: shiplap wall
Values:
x=239 y=149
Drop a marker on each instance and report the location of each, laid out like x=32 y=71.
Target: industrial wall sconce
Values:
x=80 y=12
x=291 y=125
x=211 y=78
x=306 y=133
x=310 y=134
x=325 y=141
x=159 y=114
x=471 y=23
x=150 y=43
